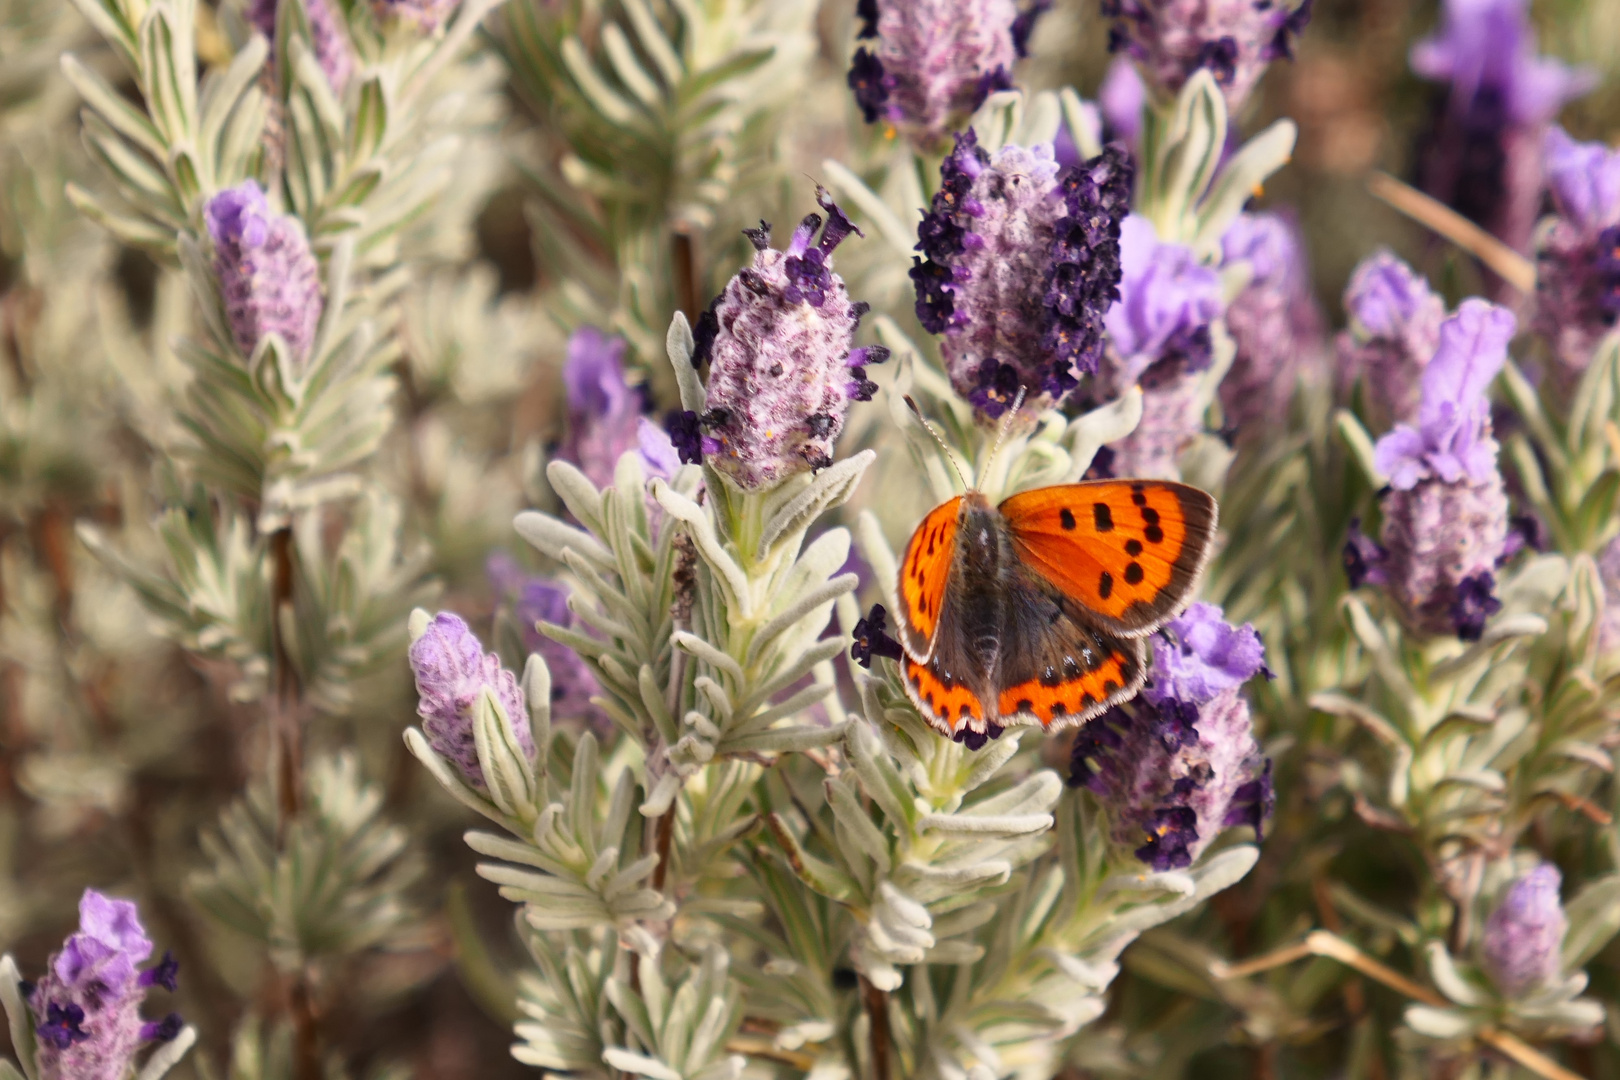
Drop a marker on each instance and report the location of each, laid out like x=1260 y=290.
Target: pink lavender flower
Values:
x=533 y=599
x=268 y=276
x=327 y=31
x=428 y=15
x=1394 y=330
x=1159 y=337
x=1485 y=156
x=87 y=1008
x=452 y=670
x=1446 y=513
x=1578 y=254
x=934 y=61
x=1274 y=322
x=1180 y=764
x=1523 y=936
x=782 y=372
x=1234 y=39
x=604 y=411
x=1020 y=259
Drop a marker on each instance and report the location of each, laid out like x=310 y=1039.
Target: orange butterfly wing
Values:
x=924 y=574
x=1127 y=552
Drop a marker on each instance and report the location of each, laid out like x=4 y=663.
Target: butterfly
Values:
x=1035 y=611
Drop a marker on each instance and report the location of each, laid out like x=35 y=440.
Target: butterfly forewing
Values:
x=925 y=572
x=1125 y=555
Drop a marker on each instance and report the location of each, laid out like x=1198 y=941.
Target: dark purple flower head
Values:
x=1484 y=157
x=604 y=411
x=1022 y=260
x=1523 y=936
x=1276 y=327
x=428 y=15
x=1233 y=39
x=933 y=61
x=533 y=599
x=452 y=671
x=782 y=372
x=268 y=276
x=1452 y=439
x=1363 y=558
x=1394 y=330
x=1201 y=655
x=87 y=1007
x=328 y=34
x=871 y=638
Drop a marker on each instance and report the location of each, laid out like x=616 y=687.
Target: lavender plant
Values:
x=363 y=357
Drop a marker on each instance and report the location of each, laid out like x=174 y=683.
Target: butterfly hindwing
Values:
x=925 y=573
x=1055 y=670
x=1125 y=555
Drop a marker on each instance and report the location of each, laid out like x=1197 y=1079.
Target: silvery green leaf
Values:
x=829 y=488
x=1244 y=174
x=679 y=346
x=1360 y=444
x=452 y=783
x=1083 y=126
x=1224 y=869
x=18 y=1016
x=1594 y=919
x=8 y=1071
x=1450 y=981
x=1091 y=431
x=1439 y=1023
x=167 y=1055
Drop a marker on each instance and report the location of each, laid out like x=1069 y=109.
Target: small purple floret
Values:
x=452 y=671
x=1523 y=936
x=268 y=276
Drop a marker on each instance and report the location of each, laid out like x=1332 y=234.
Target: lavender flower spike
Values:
x=533 y=600
x=1180 y=764
x=1234 y=39
x=1578 y=255
x=1523 y=936
x=1445 y=515
x=603 y=410
x=87 y=1008
x=1159 y=336
x=268 y=276
x=1022 y=259
x=452 y=670
x=934 y=61
x=1276 y=327
x=782 y=372
x=1394 y=329
x=1485 y=156
x=327 y=34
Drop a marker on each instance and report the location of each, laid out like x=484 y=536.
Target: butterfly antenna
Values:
x=1001 y=435
x=950 y=455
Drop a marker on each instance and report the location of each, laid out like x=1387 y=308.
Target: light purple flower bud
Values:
x=934 y=61
x=1578 y=256
x=328 y=35
x=1234 y=39
x=604 y=411
x=1122 y=97
x=87 y=1008
x=1159 y=338
x=1022 y=260
x=268 y=276
x=782 y=372
x=659 y=459
x=1394 y=330
x=1485 y=156
x=428 y=15
x=1524 y=935
x=534 y=599
x=1275 y=324
x=1452 y=440
x=452 y=670
x=1180 y=764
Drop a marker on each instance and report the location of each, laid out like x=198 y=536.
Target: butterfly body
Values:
x=1034 y=611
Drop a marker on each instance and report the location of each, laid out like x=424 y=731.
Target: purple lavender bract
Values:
x=1022 y=258
x=1181 y=763
x=603 y=409
x=1159 y=336
x=534 y=599
x=1234 y=39
x=1276 y=327
x=1394 y=330
x=1485 y=156
x=1522 y=937
x=452 y=670
x=934 y=61
x=87 y=1007
x=1578 y=255
x=268 y=276
x=327 y=33
x=1445 y=515
x=782 y=373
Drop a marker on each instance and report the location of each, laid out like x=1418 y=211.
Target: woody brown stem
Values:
x=877 y=1013
x=684 y=255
